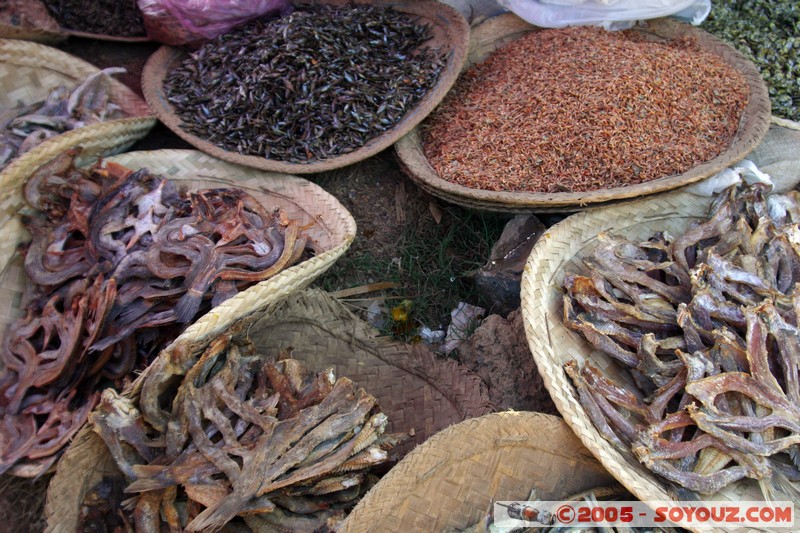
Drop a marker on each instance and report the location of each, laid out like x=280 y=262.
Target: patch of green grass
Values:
x=433 y=262
x=438 y=260
x=359 y=268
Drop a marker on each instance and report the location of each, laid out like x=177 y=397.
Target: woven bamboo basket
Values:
x=560 y=251
x=498 y=31
x=414 y=389
x=451 y=481
x=332 y=232
x=28 y=72
x=450 y=35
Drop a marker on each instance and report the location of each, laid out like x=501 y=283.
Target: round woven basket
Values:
x=450 y=35
x=451 y=481
x=498 y=31
x=552 y=344
x=28 y=72
x=414 y=389
x=331 y=231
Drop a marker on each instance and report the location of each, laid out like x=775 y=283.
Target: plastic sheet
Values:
x=611 y=14
x=180 y=22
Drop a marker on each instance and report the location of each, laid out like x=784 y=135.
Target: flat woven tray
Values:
x=332 y=232
x=451 y=481
x=498 y=31
x=450 y=34
x=28 y=72
x=561 y=249
x=416 y=391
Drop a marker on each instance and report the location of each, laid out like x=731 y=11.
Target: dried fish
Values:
x=727 y=403
x=26 y=126
x=318 y=83
x=252 y=438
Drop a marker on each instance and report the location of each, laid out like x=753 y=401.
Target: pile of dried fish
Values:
x=26 y=126
x=268 y=442
x=120 y=263
x=316 y=84
x=706 y=325
x=101 y=508
x=117 y=18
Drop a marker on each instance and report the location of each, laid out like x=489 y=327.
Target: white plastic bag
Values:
x=743 y=170
x=610 y=14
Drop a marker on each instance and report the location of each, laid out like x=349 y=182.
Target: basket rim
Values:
x=450 y=20
x=753 y=126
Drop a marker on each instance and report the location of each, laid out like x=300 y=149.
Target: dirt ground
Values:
x=498 y=352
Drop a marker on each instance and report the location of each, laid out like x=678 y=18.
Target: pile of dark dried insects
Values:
x=767 y=32
x=309 y=86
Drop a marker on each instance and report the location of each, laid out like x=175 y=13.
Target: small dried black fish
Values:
x=316 y=84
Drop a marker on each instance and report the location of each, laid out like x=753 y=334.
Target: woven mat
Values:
x=452 y=479
x=552 y=344
x=414 y=388
x=498 y=31
x=450 y=35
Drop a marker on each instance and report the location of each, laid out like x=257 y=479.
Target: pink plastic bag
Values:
x=179 y=22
